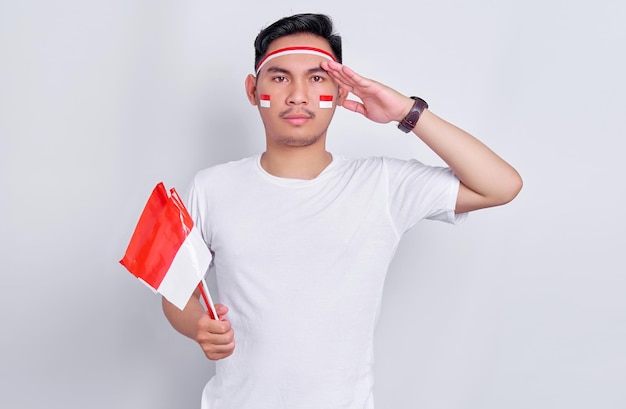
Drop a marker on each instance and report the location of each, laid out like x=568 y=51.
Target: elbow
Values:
x=511 y=188
x=499 y=192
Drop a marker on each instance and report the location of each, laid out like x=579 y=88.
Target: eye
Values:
x=317 y=78
x=279 y=78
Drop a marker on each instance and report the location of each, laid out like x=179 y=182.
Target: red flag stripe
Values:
x=157 y=238
x=326 y=97
x=143 y=231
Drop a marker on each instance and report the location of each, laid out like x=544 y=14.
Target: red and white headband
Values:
x=294 y=50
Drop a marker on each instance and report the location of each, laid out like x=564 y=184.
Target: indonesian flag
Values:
x=166 y=250
x=264 y=100
x=326 y=101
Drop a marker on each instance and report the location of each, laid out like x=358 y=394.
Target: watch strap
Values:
x=410 y=120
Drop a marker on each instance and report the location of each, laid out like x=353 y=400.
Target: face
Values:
x=298 y=89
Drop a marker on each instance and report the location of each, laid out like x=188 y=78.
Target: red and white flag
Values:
x=264 y=100
x=166 y=250
x=326 y=101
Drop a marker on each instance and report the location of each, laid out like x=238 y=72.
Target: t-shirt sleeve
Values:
x=194 y=201
x=418 y=191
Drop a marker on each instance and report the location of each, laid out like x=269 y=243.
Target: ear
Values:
x=343 y=95
x=251 y=89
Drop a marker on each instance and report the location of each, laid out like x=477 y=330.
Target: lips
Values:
x=296 y=118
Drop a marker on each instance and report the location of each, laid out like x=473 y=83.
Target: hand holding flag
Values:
x=167 y=252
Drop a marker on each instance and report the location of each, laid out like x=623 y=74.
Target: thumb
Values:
x=353 y=106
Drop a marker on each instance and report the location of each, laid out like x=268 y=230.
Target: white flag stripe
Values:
x=294 y=50
x=188 y=267
x=264 y=103
x=326 y=104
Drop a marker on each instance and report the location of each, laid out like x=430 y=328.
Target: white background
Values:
x=523 y=306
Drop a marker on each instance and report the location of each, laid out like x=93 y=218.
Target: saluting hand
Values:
x=379 y=102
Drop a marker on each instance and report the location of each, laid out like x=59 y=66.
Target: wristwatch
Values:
x=410 y=120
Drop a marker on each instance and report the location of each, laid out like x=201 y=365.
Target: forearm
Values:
x=486 y=179
x=478 y=167
x=185 y=321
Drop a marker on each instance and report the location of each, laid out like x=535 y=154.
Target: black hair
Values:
x=316 y=24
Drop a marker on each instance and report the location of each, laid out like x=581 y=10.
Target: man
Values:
x=302 y=238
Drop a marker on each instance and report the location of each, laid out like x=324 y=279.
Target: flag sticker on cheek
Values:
x=326 y=101
x=264 y=100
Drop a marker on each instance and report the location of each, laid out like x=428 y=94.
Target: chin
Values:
x=298 y=141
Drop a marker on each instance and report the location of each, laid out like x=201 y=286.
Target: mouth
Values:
x=297 y=118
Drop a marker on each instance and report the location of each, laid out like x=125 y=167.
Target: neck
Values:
x=296 y=162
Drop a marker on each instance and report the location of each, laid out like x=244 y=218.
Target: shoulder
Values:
x=220 y=178
x=379 y=164
x=230 y=170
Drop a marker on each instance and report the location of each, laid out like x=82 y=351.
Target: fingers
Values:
x=336 y=72
x=379 y=103
x=346 y=78
x=352 y=82
x=354 y=106
x=216 y=338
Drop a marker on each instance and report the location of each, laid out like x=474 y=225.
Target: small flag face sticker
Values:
x=326 y=101
x=264 y=100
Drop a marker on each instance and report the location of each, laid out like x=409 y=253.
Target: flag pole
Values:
x=206 y=295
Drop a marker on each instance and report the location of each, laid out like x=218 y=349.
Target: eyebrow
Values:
x=279 y=70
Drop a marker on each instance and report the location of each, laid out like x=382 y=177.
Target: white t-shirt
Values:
x=301 y=265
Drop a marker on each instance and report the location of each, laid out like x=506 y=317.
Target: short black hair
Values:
x=316 y=24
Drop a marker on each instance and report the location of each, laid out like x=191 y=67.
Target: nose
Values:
x=297 y=94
